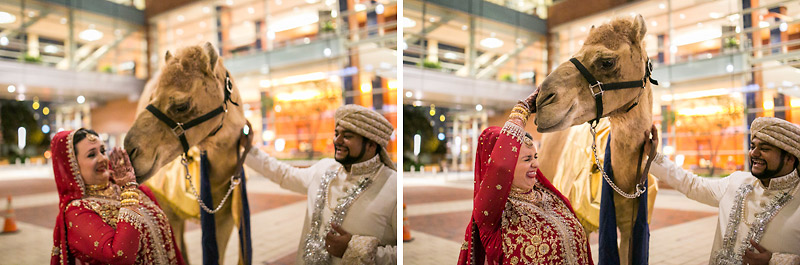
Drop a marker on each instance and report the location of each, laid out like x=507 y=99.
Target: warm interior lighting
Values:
x=294 y=21
x=408 y=23
x=298 y=95
x=366 y=87
x=392 y=84
x=769 y=105
x=6 y=18
x=700 y=111
x=491 y=42
x=91 y=35
x=795 y=103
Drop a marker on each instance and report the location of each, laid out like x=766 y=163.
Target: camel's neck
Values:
x=222 y=150
x=627 y=138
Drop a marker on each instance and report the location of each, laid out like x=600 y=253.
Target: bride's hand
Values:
x=121 y=167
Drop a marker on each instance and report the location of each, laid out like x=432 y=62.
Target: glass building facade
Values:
x=295 y=62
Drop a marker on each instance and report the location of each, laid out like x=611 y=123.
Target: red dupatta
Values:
x=70 y=186
x=492 y=159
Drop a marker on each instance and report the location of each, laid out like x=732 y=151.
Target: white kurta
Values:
x=782 y=234
x=372 y=217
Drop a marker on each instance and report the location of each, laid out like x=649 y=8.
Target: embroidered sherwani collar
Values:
x=785 y=182
x=368 y=167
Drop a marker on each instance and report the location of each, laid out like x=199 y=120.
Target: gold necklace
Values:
x=96 y=187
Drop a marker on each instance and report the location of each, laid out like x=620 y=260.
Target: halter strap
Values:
x=179 y=129
x=597 y=88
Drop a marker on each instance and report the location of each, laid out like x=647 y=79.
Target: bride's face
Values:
x=525 y=171
x=92 y=160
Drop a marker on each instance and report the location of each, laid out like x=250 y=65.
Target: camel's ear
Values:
x=212 y=55
x=167 y=56
x=639 y=29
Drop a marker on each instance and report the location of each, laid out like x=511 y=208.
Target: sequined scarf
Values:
x=315 y=251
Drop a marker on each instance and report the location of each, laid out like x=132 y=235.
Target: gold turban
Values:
x=369 y=124
x=779 y=133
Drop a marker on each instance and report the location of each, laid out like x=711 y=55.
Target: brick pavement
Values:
x=439 y=208
x=276 y=220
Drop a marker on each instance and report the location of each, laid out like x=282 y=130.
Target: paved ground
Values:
x=276 y=220
x=438 y=208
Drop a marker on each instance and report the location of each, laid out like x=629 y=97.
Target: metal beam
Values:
x=91 y=60
x=477 y=63
x=411 y=38
x=492 y=68
x=11 y=33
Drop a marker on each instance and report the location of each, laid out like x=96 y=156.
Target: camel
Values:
x=189 y=85
x=613 y=52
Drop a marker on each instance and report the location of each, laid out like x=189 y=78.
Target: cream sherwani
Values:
x=782 y=234
x=372 y=218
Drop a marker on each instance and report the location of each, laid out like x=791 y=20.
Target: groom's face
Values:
x=766 y=160
x=348 y=145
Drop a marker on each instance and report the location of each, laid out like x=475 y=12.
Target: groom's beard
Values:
x=768 y=174
x=349 y=160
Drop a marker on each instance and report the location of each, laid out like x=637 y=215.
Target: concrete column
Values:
x=454 y=136
x=433 y=50
x=33 y=45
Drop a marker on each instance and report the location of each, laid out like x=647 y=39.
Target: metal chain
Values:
x=639 y=187
x=234 y=181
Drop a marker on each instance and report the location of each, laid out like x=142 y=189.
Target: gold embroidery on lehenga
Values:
x=538 y=226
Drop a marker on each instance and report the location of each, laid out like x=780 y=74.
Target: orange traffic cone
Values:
x=10 y=224
x=406 y=226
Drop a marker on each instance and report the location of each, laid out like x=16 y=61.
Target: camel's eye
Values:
x=607 y=64
x=180 y=108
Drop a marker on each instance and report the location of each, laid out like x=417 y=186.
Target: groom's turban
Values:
x=369 y=124
x=779 y=133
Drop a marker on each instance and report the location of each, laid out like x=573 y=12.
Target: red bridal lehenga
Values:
x=516 y=226
x=93 y=228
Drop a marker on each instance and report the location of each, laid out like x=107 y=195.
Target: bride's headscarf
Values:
x=69 y=183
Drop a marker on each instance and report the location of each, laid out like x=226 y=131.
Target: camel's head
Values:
x=190 y=84
x=613 y=52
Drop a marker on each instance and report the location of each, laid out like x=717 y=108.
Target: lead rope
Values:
x=640 y=187
x=234 y=182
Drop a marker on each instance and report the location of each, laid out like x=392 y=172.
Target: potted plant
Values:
x=431 y=64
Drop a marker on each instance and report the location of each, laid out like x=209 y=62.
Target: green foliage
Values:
x=431 y=64
x=15 y=114
x=508 y=78
x=107 y=69
x=731 y=42
x=416 y=121
x=328 y=26
x=31 y=59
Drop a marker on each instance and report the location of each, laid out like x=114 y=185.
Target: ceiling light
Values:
x=229 y=2
x=312 y=1
x=91 y=35
x=662 y=6
x=682 y=16
x=715 y=15
x=409 y=94
x=251 y=10
x=583 y=29
x=654 y=23
x=50 y=49
x=733 y=17
x=729 y=68
x=181 y=18
x=31 y=14
x=81 y=99
x=491 y=43
x=410 y=23
x=763 y=24
x=479 y=107
x=379 y=9
x=11 y=89
x=63 y=21
x=6 y=18
x=450 y=55
x=4 y=40
x=206 y=9
x=784 y=27
x=334 y=14
x=327 y=52
x=360 y=7
x=432 y=19
x=464 y=27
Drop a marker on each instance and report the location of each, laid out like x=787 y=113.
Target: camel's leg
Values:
x=626 y=211
x=177 y=223
x=224 y=221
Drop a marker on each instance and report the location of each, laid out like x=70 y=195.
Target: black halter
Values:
x=598 y=95
x=179 y=129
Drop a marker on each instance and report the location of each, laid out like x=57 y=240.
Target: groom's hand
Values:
x=337 y=244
